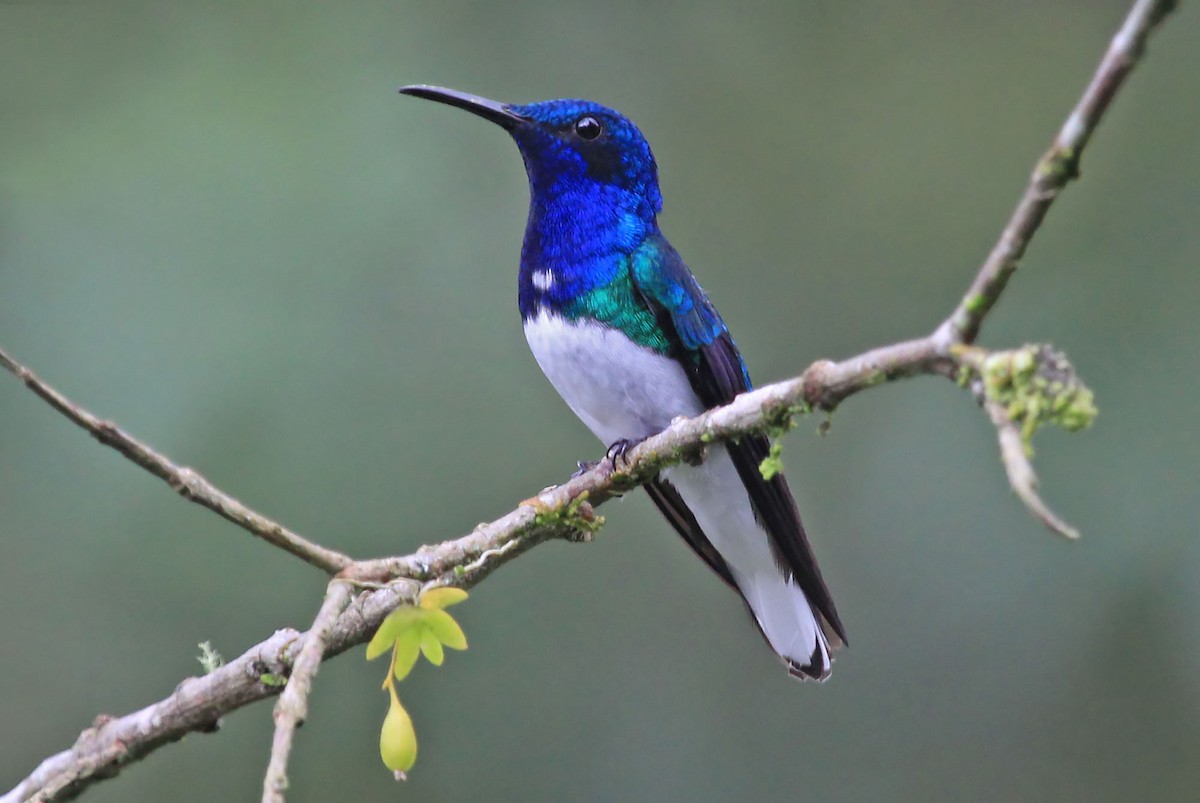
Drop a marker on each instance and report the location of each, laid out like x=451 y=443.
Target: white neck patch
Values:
x=543 y=280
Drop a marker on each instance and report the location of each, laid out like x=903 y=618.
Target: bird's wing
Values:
x=718 y=374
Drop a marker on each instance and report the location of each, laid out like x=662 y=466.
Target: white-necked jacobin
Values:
x=628 y=338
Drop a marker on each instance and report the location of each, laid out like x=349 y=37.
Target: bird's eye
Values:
x=588 y=127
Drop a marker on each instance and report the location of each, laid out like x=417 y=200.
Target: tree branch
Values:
x=186 y=482
x=197 y=704
x=567 y=511
x=1057 y=167
x=563 y=511
x=292 y=708
x=1021 y=475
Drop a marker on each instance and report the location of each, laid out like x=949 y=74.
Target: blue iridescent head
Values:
x=570 y=146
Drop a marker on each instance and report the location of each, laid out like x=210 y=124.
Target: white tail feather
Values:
x=787 y=621
x=713 y=491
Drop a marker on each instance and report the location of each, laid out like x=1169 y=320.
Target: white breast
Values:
x=616 y=387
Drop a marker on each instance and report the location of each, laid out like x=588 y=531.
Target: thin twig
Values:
x=185 y=481
x=1019 y=469
x=1057 y=167
x=292 y=708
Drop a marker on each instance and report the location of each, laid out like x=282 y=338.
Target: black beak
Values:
x=499 y=113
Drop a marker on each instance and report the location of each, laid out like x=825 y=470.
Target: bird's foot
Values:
x=617 y=451
x=584 y=467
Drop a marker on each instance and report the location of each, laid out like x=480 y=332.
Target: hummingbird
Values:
x=625 y=334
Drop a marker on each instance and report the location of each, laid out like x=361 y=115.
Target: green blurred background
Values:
x=221 y=227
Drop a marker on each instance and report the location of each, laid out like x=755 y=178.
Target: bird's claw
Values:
x=617 y=451
x=584 y=467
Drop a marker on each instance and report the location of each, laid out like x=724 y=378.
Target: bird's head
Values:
x=570 y=146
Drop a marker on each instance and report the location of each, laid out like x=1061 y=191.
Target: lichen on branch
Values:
x=1034 y=384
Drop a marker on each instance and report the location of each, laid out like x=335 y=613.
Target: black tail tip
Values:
x=809 y=671
x=818 y=667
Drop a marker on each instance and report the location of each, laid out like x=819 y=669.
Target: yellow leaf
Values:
x=397 y=738
x=442 y=597
x=392 y=626
x=446 y=629
x=408 y=647
x=432 y=647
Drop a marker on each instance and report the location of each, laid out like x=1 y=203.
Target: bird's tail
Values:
x=795 y=631
x=711 y=509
